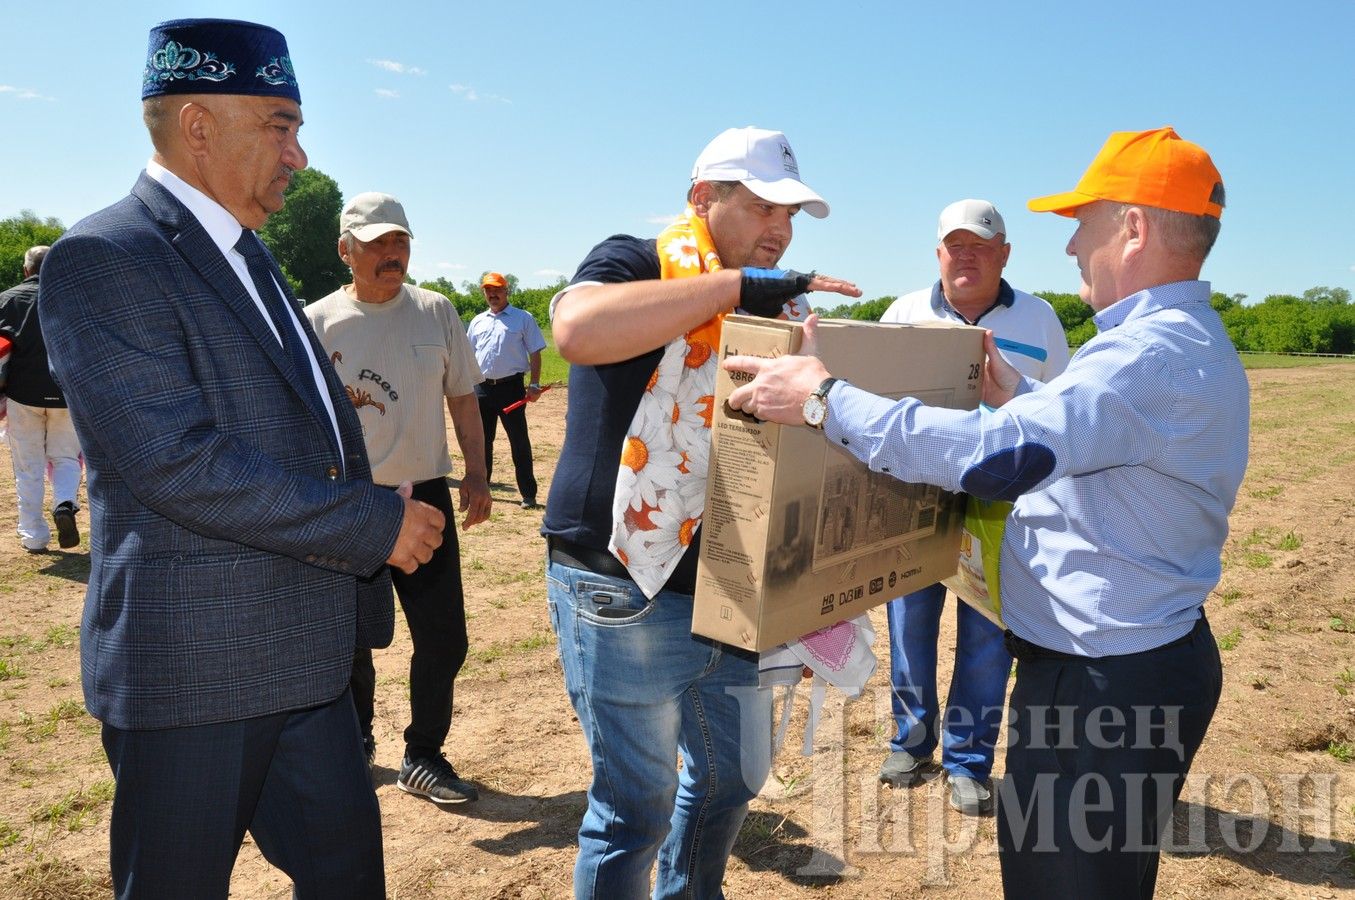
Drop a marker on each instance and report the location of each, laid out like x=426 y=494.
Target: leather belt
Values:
x=506 y=379
x=577 y=556
x=1020 y=648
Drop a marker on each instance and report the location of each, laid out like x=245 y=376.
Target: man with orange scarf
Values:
x=640 y=324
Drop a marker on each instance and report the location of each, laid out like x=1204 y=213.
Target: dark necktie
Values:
x=256 y=258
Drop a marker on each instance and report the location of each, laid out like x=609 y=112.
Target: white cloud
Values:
x=660 y=220
x=386 y=92
x=550 y=273
x=23 y=93
x=452 y=267
x=398 y=68
x=471 y=95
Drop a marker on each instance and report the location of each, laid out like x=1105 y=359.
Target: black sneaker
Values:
x=67 y=535
x=433 y=777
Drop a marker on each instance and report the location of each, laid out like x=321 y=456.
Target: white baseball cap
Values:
x=978 y=216
x=762 y=161
x=370 y=215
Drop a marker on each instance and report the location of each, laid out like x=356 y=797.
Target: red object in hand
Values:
x=524 y=401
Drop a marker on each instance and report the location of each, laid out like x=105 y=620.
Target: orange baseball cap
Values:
x=1150 y=168
x=493 y=279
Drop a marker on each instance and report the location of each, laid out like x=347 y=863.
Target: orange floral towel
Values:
x=661 y=482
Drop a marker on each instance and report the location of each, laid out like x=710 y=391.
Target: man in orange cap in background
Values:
x=508 y=344
x=1123 y=471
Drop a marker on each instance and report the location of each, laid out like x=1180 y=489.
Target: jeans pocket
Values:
x=611 y=603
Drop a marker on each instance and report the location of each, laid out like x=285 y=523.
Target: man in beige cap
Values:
x=400 y=351
x=1123 y=471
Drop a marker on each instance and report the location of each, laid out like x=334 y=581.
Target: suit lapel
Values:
x=198 y=249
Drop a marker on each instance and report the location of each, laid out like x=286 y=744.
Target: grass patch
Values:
x=1230 y=596
x=77 y=809
x=39 y=729
x=9 y=835
x=1257 y=559
x=1267 y=493
x=553 y=366
x=1282 y=361
x=498 y=649
x=48 y=876
x=1231 y=639
x=61 y=636
x=9 y=668
x=1336 y=623
x=1291 y=541
x=1341 y=751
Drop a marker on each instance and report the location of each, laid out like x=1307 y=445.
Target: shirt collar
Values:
x=1151 y=300
x=1005 y=297
x=215 y=219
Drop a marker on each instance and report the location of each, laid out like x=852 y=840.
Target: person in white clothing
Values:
x=42 y=439
x=972 y=250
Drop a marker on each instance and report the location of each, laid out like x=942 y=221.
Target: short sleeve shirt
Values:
x=398 y=360
x=602 y=403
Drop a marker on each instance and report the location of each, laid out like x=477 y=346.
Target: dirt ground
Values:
x=1269 y=811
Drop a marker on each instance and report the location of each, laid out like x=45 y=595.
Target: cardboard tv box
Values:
x=797 y=534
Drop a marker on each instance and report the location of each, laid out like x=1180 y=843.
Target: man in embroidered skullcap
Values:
x=238 y=547
x=1123 y=471
x=640 y=324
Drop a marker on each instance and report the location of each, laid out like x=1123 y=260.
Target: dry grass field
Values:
x=1269 y=811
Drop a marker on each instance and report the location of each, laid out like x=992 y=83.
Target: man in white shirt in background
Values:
x=508 y=344
x=972 y=250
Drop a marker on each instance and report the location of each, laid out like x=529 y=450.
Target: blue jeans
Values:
x=645 y=689
x=968 y=732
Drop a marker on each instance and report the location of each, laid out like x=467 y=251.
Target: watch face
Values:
x=814 y=410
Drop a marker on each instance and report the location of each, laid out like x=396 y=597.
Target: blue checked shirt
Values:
x=1124 y=469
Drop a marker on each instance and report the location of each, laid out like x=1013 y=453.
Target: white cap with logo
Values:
x=761 y=161
x=370 y=215
x=978 y=216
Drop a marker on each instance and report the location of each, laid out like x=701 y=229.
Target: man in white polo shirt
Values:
x=972 y=249
x=400 y=351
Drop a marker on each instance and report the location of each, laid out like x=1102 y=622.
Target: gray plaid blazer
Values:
x=236 y=560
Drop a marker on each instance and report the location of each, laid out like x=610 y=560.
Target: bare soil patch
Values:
x=1270 y=810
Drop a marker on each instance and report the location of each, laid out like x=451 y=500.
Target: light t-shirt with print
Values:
x=398 y=360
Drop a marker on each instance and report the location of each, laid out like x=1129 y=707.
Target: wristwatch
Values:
x=815 y=409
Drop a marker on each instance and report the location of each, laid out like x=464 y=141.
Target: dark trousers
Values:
x=1097 y=754
x=435 y=611
x=493 y=398
x=296 y=781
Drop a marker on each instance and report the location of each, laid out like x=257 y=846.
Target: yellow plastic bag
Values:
x=977 y=581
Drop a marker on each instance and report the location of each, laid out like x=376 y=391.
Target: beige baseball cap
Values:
x=370 y=215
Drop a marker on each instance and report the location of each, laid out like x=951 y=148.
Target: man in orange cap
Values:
x=1123 y=471
x=508 y=344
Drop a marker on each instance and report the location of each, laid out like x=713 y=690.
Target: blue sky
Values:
x=520 y=134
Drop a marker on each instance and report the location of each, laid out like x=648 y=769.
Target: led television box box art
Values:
x=797 y=534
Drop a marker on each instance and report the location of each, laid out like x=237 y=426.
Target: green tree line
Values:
x=1322 y=320
x=303 y=237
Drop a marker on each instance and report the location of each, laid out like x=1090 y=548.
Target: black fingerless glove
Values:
x=763 y=292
